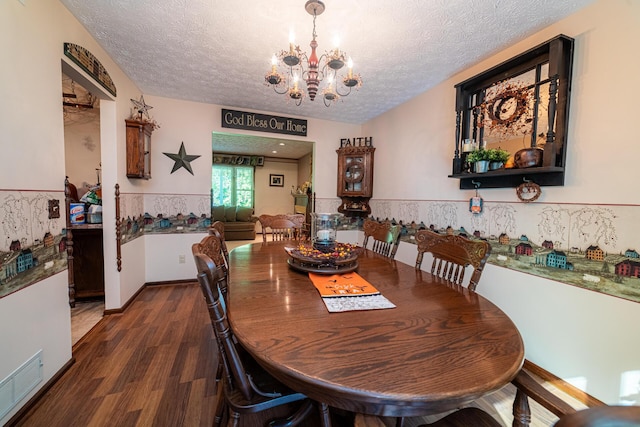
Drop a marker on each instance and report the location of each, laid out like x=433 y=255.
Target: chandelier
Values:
x=298 y=66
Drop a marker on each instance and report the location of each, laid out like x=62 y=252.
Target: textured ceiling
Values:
x=218 y=51
x=261 y=146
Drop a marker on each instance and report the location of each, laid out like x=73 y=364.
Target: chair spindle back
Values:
x=283 y=227
x=211 y=246
x=451 y=255
x=384 y=235
x=217 y=229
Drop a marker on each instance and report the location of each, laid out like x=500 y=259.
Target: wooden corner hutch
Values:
x=355 y=178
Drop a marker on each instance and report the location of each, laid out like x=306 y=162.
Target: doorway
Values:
x=81 y=116
x=292 y=159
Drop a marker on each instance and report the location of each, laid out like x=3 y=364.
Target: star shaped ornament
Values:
x=142 y=107
x=182 y=159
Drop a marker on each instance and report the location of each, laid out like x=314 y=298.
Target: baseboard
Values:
x=125 y=305
x=172 y=282
x=560 y=384
x=13 y=421
x=134 y=296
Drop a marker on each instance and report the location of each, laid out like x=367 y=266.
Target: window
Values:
x=232 y=186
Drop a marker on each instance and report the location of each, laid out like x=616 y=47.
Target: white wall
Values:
x=82 y=151
x=32 y=137
x=275 y=200
x=305 y=169
x=194 y=123
x=164 y=263
x=579 y=335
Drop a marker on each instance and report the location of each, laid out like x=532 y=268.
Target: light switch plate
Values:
x=54 y=208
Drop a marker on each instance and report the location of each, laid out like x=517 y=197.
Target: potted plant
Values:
x=480 y=160
x=497 y=158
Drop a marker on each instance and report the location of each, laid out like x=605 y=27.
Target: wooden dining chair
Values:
x=451 y=256
x=281 y=227
x=211 y=246
x=528 y=387
x=385 y=237
x=247 y=388
x=217 y=229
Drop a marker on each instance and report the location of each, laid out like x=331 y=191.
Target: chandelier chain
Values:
x=314 y=24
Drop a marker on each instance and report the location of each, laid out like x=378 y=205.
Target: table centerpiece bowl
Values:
x=306 y=258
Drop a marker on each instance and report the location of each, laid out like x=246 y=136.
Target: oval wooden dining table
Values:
x=441 y=347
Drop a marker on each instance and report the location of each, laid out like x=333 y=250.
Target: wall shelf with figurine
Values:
x=521 y=106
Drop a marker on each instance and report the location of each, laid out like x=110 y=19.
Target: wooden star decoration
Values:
x=142 y=107
x=182 y=159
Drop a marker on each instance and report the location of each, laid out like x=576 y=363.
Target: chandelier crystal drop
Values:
x=313 y=70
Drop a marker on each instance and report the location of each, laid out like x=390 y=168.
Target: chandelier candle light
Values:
x=312 y=73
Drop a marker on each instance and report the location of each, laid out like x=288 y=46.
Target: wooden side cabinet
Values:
x=139 y=149
x=88 y=261
x=355 y=179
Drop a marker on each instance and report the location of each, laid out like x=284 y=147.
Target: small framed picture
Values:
x=276 y=180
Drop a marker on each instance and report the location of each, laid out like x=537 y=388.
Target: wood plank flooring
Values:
x=84 y=316
x=154 y=365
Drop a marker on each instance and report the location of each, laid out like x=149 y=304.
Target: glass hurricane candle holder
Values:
x=324 y=229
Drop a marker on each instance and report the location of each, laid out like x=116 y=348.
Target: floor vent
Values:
x=20 y=382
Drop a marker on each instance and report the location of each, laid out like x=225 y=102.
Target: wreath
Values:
x=528 y=192
x=499 y=105
x=507 y=108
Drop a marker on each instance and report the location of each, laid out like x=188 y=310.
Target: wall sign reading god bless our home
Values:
x=263 y=123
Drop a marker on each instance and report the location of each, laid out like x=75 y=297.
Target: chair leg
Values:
x=521 y=411
x=294 y=419
x=325 y=416
x=234 y=419
x=399 y=422
x=220 y=407
x=218 y=374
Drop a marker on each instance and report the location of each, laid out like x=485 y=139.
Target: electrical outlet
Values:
x=181 y=259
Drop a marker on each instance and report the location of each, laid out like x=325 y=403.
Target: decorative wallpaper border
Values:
x=163 y=214
x=32 y=247
x=591 y=246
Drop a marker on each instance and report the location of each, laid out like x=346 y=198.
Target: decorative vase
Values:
x=495 y=165
x=528 y=157
x=481 y=166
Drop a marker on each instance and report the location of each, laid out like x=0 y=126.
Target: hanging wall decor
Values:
x=90 y=64
x=182 y=159
x=528 y=191
x=476 y=203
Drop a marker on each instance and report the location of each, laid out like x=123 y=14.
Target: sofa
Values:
x=239 y=222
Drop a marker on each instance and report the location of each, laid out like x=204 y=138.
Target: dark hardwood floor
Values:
x=154 y=365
